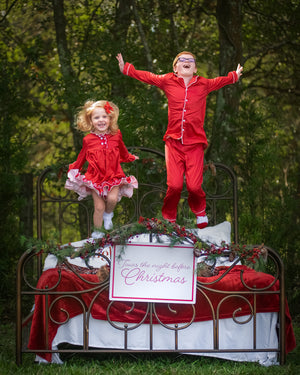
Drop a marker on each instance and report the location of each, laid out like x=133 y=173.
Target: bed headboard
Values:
x=59 y=211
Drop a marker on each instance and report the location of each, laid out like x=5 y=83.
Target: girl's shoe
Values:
x=107 y=220
x=202 y=221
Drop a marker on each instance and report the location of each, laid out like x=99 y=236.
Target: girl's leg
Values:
x=99 y=207
x=110 y=204
x=112 y=199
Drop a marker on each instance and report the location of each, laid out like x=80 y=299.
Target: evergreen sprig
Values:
x=156 y=227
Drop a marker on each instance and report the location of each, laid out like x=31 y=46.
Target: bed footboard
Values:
x=236 y=302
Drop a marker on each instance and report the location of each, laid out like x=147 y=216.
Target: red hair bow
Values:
x=108 y=108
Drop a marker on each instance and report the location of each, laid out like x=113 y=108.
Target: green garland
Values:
x=157 y=227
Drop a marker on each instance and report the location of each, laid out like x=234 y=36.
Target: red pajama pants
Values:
x=184 y=160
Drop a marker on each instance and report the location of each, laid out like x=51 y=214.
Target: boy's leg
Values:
x=175 y=170
x=194 y=179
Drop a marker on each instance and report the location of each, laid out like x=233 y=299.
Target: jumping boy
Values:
x=185 y=138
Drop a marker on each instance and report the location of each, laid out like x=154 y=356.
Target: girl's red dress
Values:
x=104 y=154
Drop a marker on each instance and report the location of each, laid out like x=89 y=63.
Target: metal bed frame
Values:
x=71 y=217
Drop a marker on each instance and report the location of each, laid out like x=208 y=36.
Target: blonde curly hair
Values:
x=83 y=118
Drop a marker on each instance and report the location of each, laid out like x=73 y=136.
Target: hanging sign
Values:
x=153 y=273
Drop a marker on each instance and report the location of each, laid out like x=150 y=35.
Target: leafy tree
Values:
x=56 y=54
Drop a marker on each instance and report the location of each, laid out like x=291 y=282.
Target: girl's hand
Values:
x=119 y=57
x=136 y=157
x=239 y=70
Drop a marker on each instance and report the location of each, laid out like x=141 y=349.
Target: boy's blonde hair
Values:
x=83 y=119
x=183 y=53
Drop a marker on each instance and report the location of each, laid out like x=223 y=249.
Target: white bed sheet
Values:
x=199 y=336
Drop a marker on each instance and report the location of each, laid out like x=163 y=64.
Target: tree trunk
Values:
x=71 y=83
x=229 y=17
x=142 y=36
x=119 y=32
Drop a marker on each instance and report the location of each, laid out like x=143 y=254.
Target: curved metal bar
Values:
x=68 y=204
x=200 y=289
x=41 y=183
x=56 y=300
x=275 y=259
x=151 y=150
x=226 y=194
x=221 y=276
x=131 y=309
x=144 y=196
x=176 y=328
x=126 y=327
x=103 y=286
x=255 y=288
x=233 y=177
x=72 y=269
x=236 y=310
x=53 y=287
x=25 y=259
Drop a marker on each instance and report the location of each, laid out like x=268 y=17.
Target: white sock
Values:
x=107 y=220
x=202 y=219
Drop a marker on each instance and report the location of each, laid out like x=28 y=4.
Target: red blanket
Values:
x=78 y=304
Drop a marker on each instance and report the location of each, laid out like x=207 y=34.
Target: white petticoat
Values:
x=83 y=187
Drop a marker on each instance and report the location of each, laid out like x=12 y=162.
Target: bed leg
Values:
x=18 y=317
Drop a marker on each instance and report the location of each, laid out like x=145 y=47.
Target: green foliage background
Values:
x=49 y=68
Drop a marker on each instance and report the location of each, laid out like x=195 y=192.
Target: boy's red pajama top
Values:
x=186 y=113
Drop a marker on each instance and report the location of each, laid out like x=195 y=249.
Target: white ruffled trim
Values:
x=83 y=187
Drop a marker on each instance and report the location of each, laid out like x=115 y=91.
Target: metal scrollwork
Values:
x=64 y=311
x=125 y=326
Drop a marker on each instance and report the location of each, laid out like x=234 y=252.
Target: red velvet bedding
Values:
x=71 y=283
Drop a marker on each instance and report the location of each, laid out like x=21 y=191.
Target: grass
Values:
x=142 y=364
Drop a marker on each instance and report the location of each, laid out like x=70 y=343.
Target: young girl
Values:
x=103 y=148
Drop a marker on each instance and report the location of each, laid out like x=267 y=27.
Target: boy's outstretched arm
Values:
x=121 y=62
x=141 y=75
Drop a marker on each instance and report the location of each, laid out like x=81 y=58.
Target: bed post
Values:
x=19 y=311
x=282 y=333
x=39 y=214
